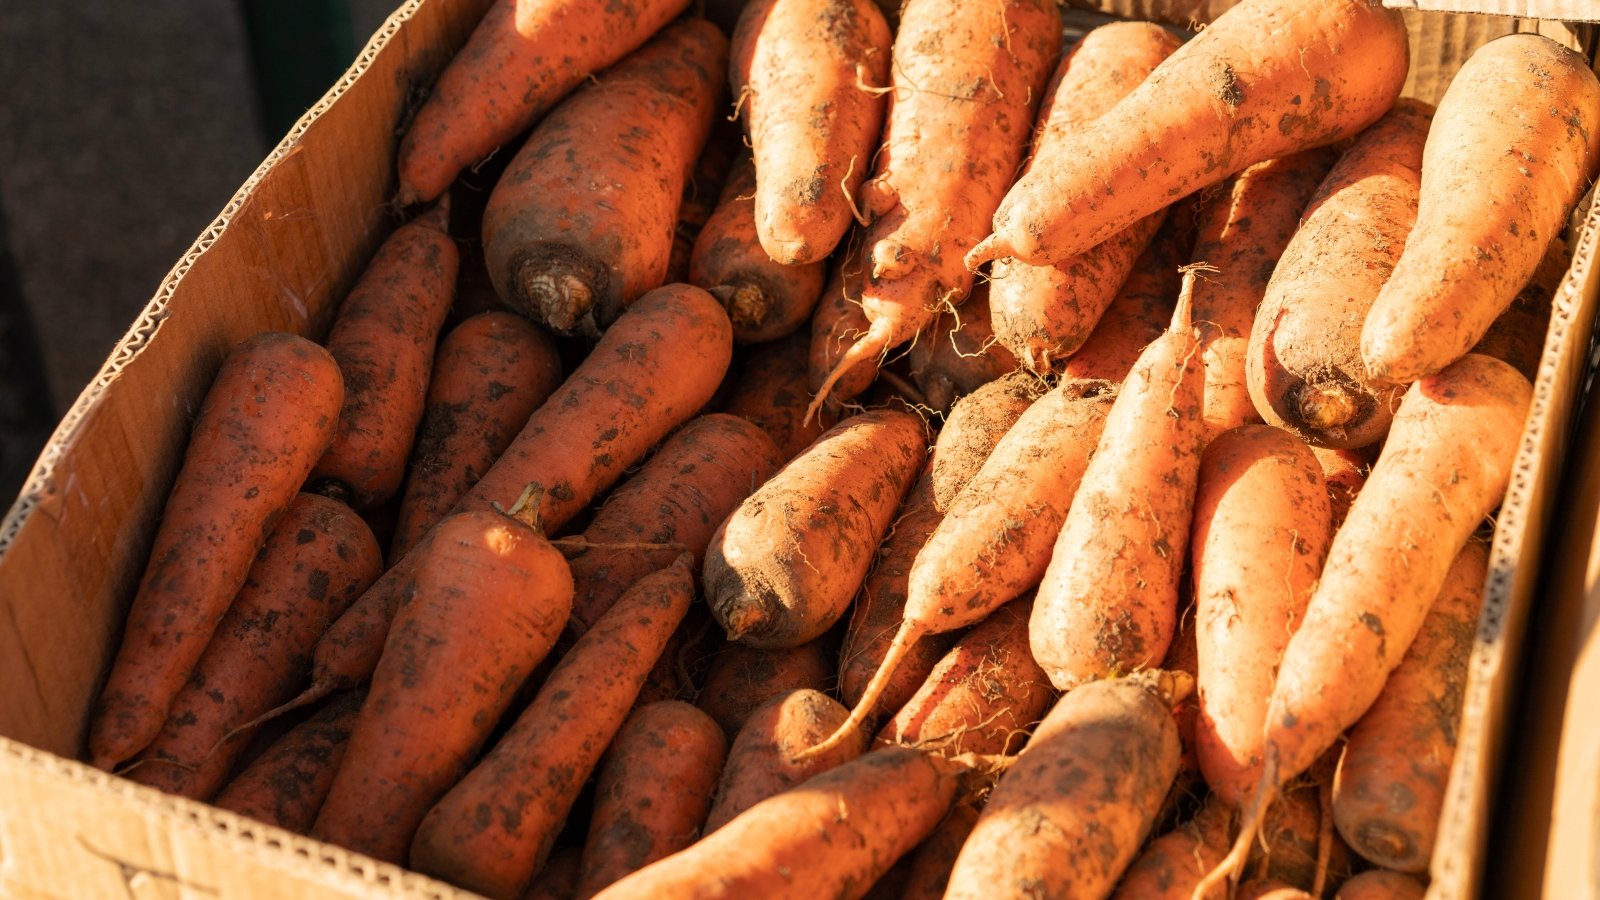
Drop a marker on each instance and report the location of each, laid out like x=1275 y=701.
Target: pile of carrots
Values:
x=1001 y=465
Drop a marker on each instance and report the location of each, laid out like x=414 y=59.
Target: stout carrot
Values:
x=974 y=426
x=1171 y=865
x=286 y=784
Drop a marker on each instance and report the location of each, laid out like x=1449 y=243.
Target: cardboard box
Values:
x=280 y=256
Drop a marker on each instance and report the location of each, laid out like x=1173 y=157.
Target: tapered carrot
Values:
x=653 y=791
x=785 y=565
x=268 y=416
x=1516 y=141
x=520 y=59
x=286 y=784
x=1303 y=364
x=489 y=599
x=571 y=238
x=762 y=762
x=1264 y=79
x=1043 y=314
x=1139 y=314
x=959 y=353
x=771 y=391
x=832 y=836
x=318 y=559
x=677 y=499
x=967 y=80
x=837 y=323
x=805 y=74
x=1108 y=602
x=492 y=832
x=741 y=678
x=491 y=372
x=384 y=337
x=1444 y=466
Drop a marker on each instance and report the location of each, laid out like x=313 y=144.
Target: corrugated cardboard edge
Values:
x=1568 y=10
x=1515 y=559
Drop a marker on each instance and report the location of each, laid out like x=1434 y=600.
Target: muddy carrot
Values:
x=959 y=353
x=836 y=324
x=771 y=391
x=742 y=678
x=1138 y=315
x=931 y=862
x=286 y=784
x=762 y=762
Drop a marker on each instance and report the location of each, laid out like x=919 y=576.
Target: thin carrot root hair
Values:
x=1232 y=865
x=909 y=634
x=314 y=692
x=873 y=343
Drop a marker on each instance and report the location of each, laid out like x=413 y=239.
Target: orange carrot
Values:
x=700 y=194
x=1517 y=335
x=784 y=567
x=1516 y=141
x=286 y=784
x=653 y=791
x=805 y=72
x=1266 y=78
x=959 y=353
x=771 y=391
x=558 y=880
x=836 y=324
x=487 y=603
x=318 y=559
x=742 y=678
x=492 y=832
x=1379 y=884
x=762 y=762
x=492 y=371
x=1169 y=866
x=930 y=864
x=268 y=416
x=519 y=61
x=1344 y=471
x=974 y=426
x=1139 y=314
x=1269 y=889
x=573 y=238
x=966 y=82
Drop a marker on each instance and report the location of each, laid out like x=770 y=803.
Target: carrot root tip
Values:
x=987 y=250
x=874 y=342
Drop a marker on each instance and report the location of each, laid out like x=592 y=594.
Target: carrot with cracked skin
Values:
x=966 y=83
x=741 y=678
x=286 y=784
x=269 y=414
x=958 y=353
x=807 y=74
x=572 y=239
x=832 y=836
x=1444 y=466
x=491 y=372
x=771 y=391
x=652 y=793
x=1242 y=233
x=1108 y=601
x=1303 y=363
x=1139 y=314
x=487 y=601
x=765 y=298
x=317 y=560
x=763 y=760
x=836 y=324
x=1514 y=144
x=786 y=564
x=1266 y=78
x=1086 y=789
x=678 y=498
x=519 y=61
x=1396 y=761
x=1043 y=314
x=492 y=832
x=1380 y=884
x=384 y=337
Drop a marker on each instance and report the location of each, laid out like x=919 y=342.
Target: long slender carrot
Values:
x=492 y=832
x=286 y=784
x=491 y=372
x=519 y=61
x=762 y=762
x=268 y=416
x=317 y=560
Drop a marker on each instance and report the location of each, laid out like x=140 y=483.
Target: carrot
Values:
x=972 y=428
x=492 y=832
x=832 y=836
x=959 y=353
x=677 y=499
x=270 y=412
x=1288 y=848
x=1243 y=232
x=1379 y=884
x=762 y=762
x=742 y=678
x=1344 y=471
x=785 y=565
x=1262 y=524
x=286 y=784
x=1303 y=363
x=572 y=238
x=1108 y=601
x=1266 y=78
x=1516 y=141
x=931 y=862
x=837 y=323
x=1043 y=314
x=558 y=880
x=982 y=697
x=318 y=559
x=1396 y=762
x=700 y=194
x=487 y=603
x=1169 y=866
x=653 y=791
x=1086 y=789
x=383 y=338
x=765 y=299
x=1444 y=466
x=1517 y=335
x=805 y=73
x=491 y=372
x=518 y=62
x=1139 y=314
x=771 y=391
x=966 y=84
